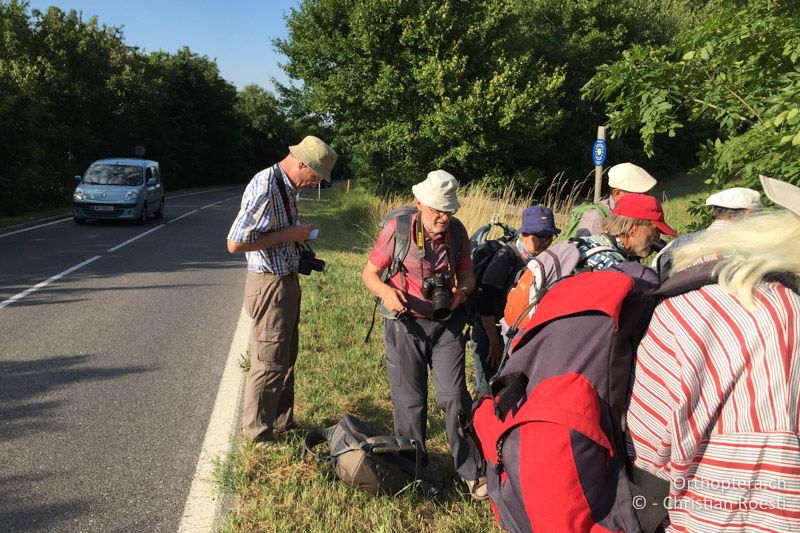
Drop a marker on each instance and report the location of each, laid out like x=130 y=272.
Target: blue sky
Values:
x=237 y=33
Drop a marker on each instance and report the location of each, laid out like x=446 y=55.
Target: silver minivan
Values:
x=126 y=189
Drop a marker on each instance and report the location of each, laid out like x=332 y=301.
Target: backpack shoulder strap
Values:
x=315 y=438
x=603 y=209
x=689 y=279
x=402 y=242
x=457 y=235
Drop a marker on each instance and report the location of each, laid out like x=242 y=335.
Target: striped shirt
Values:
x=714 y=409
x=263 y=211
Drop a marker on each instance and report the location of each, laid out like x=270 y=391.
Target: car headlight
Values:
x=78 y=195
x=132 y=195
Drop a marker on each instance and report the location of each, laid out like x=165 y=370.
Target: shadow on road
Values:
x=20 y=513
x=26 y=389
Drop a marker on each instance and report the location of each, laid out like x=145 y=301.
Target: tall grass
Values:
x=337 y=373
x=479 y=206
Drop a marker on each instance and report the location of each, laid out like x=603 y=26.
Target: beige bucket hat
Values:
x=438 y=191
x=782 y=193
x=630 y=178
x=315 y=153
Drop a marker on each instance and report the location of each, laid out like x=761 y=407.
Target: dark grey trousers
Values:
x=409 y=354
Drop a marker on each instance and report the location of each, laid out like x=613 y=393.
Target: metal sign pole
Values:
x=599 y=157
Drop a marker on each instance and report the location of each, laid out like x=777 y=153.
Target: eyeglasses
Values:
x=436 y=213
x=545 y=237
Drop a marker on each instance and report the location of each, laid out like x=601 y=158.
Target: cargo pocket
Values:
x=273 y=350
x=279 y=304
x=252 y=295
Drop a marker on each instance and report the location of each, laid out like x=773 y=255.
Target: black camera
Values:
x=657 y=246
x=309 y=261
x=438 y=290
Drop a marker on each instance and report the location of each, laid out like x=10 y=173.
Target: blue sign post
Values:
x=599 y=152
x=599 y=157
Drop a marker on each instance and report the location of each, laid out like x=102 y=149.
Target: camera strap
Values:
x=278 y=173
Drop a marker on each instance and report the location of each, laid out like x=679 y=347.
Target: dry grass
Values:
x=479 y=206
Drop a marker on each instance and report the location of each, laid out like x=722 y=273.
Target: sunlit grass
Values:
x=337 y=373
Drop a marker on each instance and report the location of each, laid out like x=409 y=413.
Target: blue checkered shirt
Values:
x=600 y=260
x=263 y=211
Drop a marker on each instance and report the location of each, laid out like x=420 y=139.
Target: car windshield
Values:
x=113 y=175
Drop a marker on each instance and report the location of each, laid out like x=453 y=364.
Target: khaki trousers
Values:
x=273 y=302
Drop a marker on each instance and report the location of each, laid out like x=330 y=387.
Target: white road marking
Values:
x=117 y=247
x=34 y=227
x=70 y=217
x=26 y=292
x=202 y=504
x=46 y=282
x=183 y=215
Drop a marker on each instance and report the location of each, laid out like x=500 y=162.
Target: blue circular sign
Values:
x=599 y=152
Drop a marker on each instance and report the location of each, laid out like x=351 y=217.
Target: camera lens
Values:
x=437 y=289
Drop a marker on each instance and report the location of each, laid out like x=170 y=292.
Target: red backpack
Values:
x=552 y=431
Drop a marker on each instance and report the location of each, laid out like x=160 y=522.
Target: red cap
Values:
x=643 y=207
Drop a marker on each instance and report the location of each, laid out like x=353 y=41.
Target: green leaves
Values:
x=737 y=71
x=72 y=91
x=488 y=89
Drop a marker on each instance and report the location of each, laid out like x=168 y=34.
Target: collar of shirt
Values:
x=718 y=224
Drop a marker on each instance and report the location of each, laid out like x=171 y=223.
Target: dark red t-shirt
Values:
x=410 y=277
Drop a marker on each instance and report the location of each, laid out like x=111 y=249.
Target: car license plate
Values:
x=103 y=207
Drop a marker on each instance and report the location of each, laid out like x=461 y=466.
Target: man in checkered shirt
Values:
x=268 y=230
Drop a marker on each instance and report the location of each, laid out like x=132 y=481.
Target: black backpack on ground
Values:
x=372 y=462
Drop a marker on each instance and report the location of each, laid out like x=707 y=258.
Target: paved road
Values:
x=108 y=374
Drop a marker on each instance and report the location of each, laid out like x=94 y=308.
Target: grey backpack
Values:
x=374 y=463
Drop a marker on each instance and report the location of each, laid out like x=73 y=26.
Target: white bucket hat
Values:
x=438 y=191
x=630 y=178
x=736 y=198
x=782 y=193
x=315 y=153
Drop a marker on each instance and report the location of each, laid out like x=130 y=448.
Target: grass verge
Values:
x=337 y=373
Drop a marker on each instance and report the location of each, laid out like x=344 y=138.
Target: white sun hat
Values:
x=736 y=198
x=782 y=193
x=630 y=178
x=438 y=191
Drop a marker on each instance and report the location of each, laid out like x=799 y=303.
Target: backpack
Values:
x=371 y=462
x=482 y=250
x=577 y=213
x=552 y=429
x=541 y=273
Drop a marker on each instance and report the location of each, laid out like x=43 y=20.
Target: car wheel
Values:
x=160 y=212
x=79 y=221
x=143 y=216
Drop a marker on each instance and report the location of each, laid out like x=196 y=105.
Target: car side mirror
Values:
x=77 y=179
x=152 y=182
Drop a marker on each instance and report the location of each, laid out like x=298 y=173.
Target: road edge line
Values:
x=203 y=504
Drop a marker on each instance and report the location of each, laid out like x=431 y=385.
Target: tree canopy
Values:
x=487 y=89
x=736 y=74
x=72 y=91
